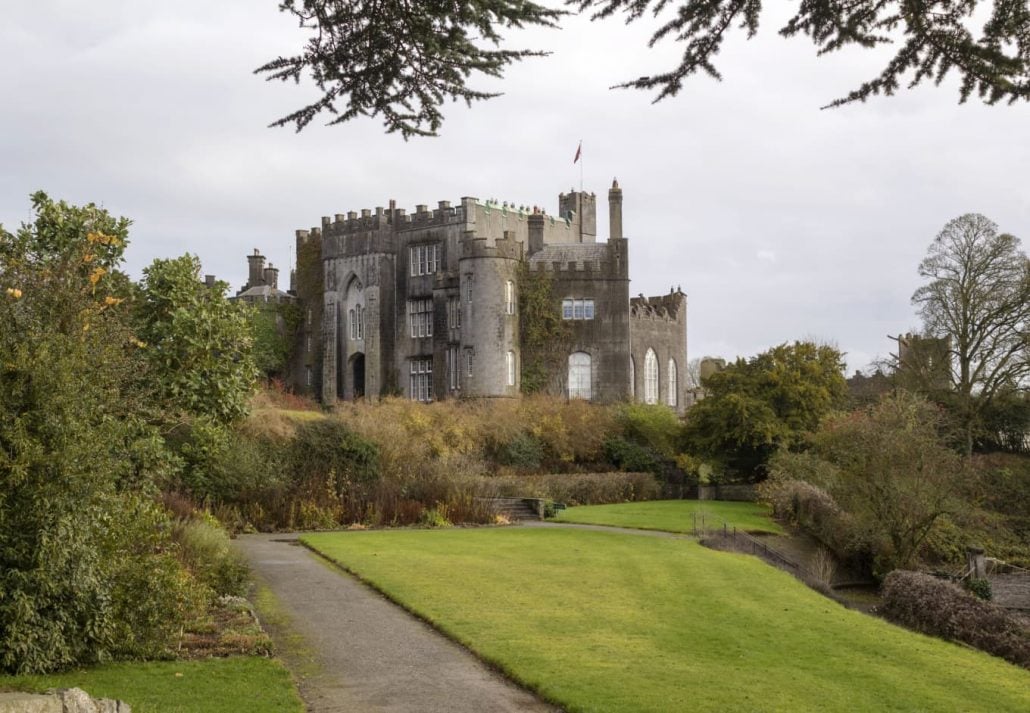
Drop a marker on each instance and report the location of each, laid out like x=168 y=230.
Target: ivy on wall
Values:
x=544 y=337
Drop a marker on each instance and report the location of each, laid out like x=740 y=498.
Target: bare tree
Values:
x=978 y=298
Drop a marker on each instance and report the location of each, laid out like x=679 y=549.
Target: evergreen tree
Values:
x=401 y=59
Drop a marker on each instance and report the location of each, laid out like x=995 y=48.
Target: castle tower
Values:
x=581 y=209
x=256 y=265
x=270 y=275
x=490 y=359
x=615 y=211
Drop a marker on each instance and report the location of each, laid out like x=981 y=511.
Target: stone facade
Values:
x=425 y=304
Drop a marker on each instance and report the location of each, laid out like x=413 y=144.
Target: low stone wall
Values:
x=68 y=700
x=741 y=492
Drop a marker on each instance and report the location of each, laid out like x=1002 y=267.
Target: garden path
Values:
x=351 y=649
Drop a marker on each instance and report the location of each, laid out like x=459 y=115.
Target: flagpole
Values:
x=581 y=167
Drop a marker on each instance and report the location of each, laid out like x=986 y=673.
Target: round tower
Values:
x=490 y=360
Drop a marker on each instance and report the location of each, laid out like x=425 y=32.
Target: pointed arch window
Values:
x=670 y=384
x=580 y=376
x=650 y=377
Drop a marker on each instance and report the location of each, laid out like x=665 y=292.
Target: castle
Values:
x=427 y=305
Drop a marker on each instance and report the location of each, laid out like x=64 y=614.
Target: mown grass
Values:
x=229 y=685
x=675 y=515
x=613 y=622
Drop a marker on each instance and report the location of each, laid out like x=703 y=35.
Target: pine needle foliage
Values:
x=401 y=59
x=934 y=38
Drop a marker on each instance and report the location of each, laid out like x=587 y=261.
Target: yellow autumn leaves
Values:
x=14 y=292
x=102 y=239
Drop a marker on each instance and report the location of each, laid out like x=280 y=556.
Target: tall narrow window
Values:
x=420 y=379
x=579 y=376
x=453 y=369
x=353 y=322
x=420 y=317
x=650 y=377
x=509 y=297
x=670 y=384
x=360 y=311
x=468 y=287
x=468 y=362
x=566 y=309
x=307 y=375
x=510 y=360
x=632 y=379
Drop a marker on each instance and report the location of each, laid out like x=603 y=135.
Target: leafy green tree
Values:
x=896 y=477
x=978 y=298
x=755 y=407
x=85 y=566
x=274 y=328
x=401 y=59
x=198 y=343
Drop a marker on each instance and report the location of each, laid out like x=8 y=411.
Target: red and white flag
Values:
x=579 y=150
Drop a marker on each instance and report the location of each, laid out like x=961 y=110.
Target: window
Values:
x=468 y=362
x=356 y=318
x=632 y=379
x=577 y=309
x=309 y=316
x=420 y=380
x=360 y=311
x=579 y=376
x=510 y=361
x=454 y=313
x=509 y=297
x=307 y=375
x=670 y=384
x=420 y=317
x=468 y=287
x=453 y=369
x=424 y=259
x=353 y=324
x=650 y=377
x=307 y=346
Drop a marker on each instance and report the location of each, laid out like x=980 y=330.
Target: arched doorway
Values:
x=357 y=373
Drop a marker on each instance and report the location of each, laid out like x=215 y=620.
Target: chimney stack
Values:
x=615 y=211
x=256 y=263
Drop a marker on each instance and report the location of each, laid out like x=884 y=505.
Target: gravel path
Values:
x=351 y=649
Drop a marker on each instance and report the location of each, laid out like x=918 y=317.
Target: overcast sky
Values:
x=780 y=221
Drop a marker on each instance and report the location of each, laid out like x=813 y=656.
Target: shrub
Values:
x=939 y=608
x=655 y=427
x=980 y=587
x=631 y=457
x=577 y=488
x=524 y=452
x=208 y=553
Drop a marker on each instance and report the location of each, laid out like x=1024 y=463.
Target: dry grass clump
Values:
x=579 y=488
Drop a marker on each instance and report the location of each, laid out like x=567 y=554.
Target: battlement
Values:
x=479 y=247
x=663 y=307
x=582 y=260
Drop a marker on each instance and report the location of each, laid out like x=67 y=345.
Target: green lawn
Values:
x=675 y=515
x=612 y=622
x=230 y=685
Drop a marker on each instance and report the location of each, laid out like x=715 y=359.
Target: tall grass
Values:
x=402 y=463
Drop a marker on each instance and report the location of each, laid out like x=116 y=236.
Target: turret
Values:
x=615 y=211
x=581 y=210
x=256 y=263
x=270 y=275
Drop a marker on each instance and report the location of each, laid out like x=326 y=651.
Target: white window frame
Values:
x=424 y=259
x=670 y=384
x=651 y=381
x=420 y=318
x=510 y=363
x=632 y=379
x=453 y=368
x=420 y=379
x=352 y=323
x=577 y=308
x=509 y=297
x=581 y=373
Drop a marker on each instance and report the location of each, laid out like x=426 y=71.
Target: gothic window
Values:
x=577 y=309
x=579 y=376
x=453 y=369
x=420 y=317
x=650 y=377
x=510 y=362
x=632 y=379
x=509 y=297
x=420 y=380
x=670 y=384
x=454 y=313
x=360 y=312
x=353 y=322
x=424 y=259
x=468 y=287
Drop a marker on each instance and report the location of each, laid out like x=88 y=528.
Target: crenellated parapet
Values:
x=473 y=246
x=603 y=260
x=666 y=308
